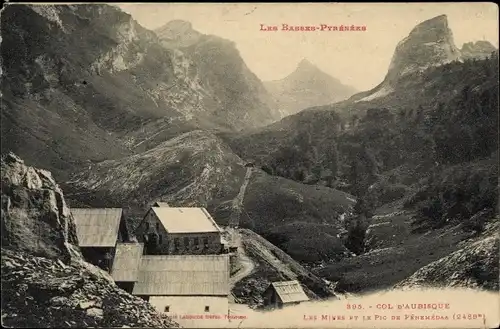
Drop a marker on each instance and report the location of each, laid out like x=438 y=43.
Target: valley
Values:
x=346 y=192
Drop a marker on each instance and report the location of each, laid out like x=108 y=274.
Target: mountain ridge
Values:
x=224 y=72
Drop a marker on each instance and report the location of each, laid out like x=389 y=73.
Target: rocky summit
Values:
x=45 y=281
x=430 y=43
x=178 y=33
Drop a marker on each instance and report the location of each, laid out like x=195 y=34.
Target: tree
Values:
x=354 y=120
x=358 y=224
x=356 y=239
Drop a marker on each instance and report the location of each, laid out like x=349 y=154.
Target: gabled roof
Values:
x=126 y=262
x=161 y=204
x=97 y=227
x=193 y=275
x=186 y=220
x=290 y=291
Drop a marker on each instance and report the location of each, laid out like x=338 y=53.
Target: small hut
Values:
x=98 y=231
x=282 y=293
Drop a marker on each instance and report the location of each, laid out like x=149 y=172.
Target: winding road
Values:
x=247 y=265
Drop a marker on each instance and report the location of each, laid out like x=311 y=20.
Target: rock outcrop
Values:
x=35 y=218
x=475 y=265
x=479 y=49
x=306 y=87
x=44 y=293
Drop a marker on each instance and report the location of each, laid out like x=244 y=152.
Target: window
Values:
x=167 y=308
x=205 y=241
x=186 y=241
x=147 y=225
x=207 y=308
x=196 y=241
x=157 y=226
x=159 y=238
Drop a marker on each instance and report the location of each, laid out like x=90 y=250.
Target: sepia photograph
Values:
x=249 y=165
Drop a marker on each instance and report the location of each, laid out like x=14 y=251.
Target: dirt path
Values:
x=238 y=200
x=247 y=265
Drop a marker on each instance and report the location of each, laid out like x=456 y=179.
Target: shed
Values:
x=98 y=231
x=127 y=260
x=283 y=293
x=177 y=283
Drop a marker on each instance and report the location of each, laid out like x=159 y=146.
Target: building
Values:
x=126 y=263
x=98 y=231
x=179 y=231
x=184 y=284
x=282 y=293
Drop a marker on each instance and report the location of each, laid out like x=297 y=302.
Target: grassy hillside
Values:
x=272 y=264
x=303 y=220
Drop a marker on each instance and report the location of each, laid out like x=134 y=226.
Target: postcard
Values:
x=250 y=165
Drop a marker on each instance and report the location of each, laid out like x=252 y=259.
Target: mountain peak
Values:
x=305 y=62
x=178 y=31
x=430 y=43
x=177 y=25
x=438 y=21
x=307 y=86
x=307 y=66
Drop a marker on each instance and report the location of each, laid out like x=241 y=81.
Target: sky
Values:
x=357 y=58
